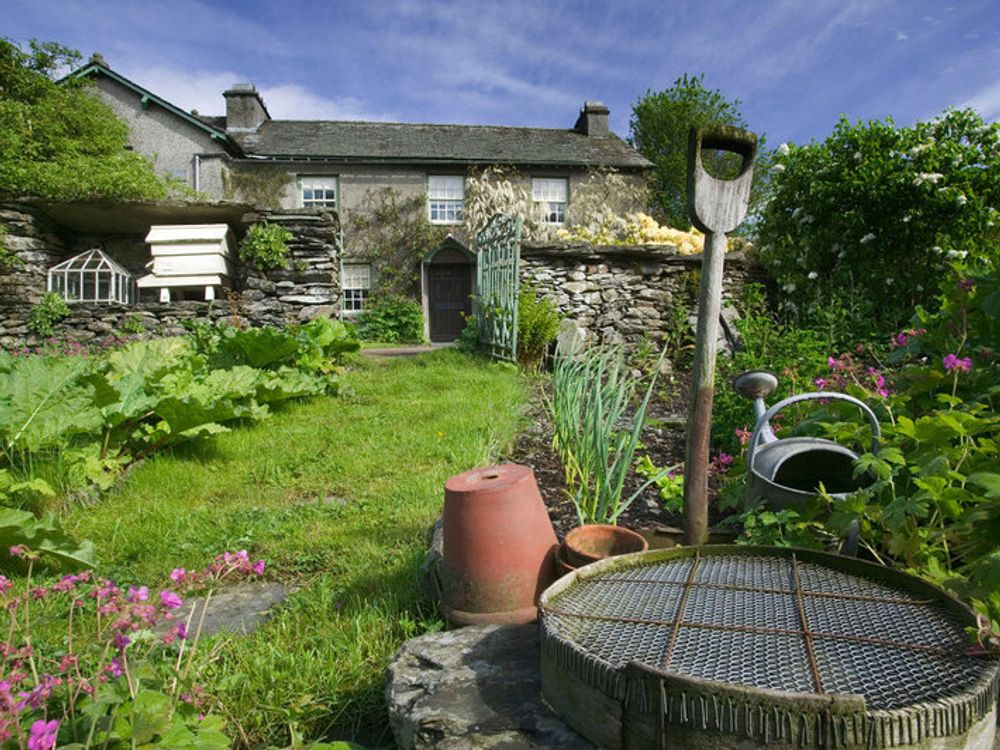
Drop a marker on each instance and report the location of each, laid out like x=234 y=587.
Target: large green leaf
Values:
x=44 y=535
x=44 y=401
x=260 y=347
x=220 y=396
x=150 y=360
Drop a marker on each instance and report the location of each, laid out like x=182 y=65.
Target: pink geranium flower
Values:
x=170 y=600
x=954 y=363
x=43 y=735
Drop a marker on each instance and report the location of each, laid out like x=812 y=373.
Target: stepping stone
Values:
x=475 y=687
x=238 y=609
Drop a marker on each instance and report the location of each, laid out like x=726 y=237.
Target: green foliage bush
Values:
x=59 y=140
x=537 y=326
x=93 y=416
x=860 y=227
x=391 y=319
x=265 y=246
x=45 y=313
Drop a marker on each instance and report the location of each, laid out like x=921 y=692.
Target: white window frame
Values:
x=355 y=287
x=546 y=192
x=326 y=183
x=445 y=198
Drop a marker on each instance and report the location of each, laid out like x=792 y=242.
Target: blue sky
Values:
x=797 y=65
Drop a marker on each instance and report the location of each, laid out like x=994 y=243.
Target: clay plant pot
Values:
x=592 y=542
x=499 y=546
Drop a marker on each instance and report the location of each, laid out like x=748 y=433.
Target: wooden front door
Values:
x=449 y=286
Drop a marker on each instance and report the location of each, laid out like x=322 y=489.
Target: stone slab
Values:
x=475 y=687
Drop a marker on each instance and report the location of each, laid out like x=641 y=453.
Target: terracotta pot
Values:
x=593 y=542
x=666 y=537
x=499 y=546
x=563 y=567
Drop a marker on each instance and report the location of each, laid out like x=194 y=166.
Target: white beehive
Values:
x=189 y=256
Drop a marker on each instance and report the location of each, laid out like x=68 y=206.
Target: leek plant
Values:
x=591 y=395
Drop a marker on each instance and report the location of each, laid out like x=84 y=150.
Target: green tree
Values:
x=56 y=139
x=860 y=228
x=659 y=129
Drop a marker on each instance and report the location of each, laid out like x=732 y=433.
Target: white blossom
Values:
x=906 y=219
x=920 y=148
x=867 y=238
x=960 y=254
x=797 y=212
x=778 y=168
x=783 y=150
x=927 y=177
x=888 y=280
x=813 y=275
x=841 y=255
x=937 y=249
x=961 y=199
x=789 y=287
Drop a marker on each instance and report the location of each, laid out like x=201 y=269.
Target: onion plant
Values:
x=591 y=395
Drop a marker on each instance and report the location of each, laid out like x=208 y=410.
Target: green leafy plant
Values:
x=60 y=141
x=468 y=340
x=862 y=225
x=132 y=324
x=391 y=319
x=393 y=233
x=265 y=246
x=45 y=313
x=538 y=322
x=591 y=393
x=669 y=484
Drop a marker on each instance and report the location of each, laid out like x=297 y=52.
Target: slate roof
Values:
x=356 y=141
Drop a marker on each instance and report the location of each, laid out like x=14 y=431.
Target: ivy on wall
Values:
x=392 y=232
x=261 y=186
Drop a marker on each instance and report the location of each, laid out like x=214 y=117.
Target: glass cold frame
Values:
x=92 y=277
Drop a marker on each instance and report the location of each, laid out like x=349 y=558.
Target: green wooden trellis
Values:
x=497 y=276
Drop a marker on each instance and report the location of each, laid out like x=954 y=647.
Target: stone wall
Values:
x=309 y=286
x=626 y=294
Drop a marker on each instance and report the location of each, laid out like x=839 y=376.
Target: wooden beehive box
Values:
x=189 y=256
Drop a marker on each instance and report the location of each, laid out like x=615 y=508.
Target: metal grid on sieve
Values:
x=769 y=622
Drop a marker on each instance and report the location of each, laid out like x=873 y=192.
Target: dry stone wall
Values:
x=626 y=294
x=307 y=287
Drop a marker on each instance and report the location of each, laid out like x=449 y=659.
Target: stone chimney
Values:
x=245 y=110
x=593 y=120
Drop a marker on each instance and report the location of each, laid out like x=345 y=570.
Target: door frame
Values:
x=450 y=243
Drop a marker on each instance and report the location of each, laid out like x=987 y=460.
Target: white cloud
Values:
x=986 y=102
x=902 y=36
x=202 y=91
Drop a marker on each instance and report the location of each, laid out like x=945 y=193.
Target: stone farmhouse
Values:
x=246 y=155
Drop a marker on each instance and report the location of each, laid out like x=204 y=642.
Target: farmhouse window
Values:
x=318 y=192
x=92 y=277
x=551 y=193
x=356 y=283
x=445 y=194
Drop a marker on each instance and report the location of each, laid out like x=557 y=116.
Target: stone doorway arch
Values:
x=448 y=281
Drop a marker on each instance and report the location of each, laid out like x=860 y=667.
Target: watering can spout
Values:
x=757 y=386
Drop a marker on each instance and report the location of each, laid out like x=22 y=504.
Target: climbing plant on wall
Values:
x=392 y=232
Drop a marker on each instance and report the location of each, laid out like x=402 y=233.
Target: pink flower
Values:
x=954 y=363
x=177 y=575
x=114 y=668
x=820 y=383
x=43 y=735
x=170 y=600
x=5 y=585
x=743 y=435
x=18 y=550
x=140 y=594
x=258 y=567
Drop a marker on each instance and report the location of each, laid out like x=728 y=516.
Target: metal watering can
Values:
x=786 y=472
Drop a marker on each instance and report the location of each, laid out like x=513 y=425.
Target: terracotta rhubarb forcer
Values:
x=499 y=546
x=592 y=542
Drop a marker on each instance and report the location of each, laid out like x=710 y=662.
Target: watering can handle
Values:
x=766 y=417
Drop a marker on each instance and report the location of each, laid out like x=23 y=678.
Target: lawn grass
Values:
x=337 y=495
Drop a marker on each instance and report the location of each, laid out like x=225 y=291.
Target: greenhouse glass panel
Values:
x=92 y=277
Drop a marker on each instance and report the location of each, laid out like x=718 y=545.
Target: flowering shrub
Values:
x=125 y=674
x=860 y=227
x=497 y=190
